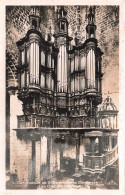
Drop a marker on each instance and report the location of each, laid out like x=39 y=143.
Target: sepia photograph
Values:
x=62 y=97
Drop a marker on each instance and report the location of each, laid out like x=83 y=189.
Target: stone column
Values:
x=48 y=154
x=100 y=145
x=110 y=142
x=77 y=152
x=37 y=151
x=61 y=157
x=58 y=160
x=93 y=145
x=92 y=139
x=43 y=150
x=51 y=154
x=33 y=161
x=15 y=109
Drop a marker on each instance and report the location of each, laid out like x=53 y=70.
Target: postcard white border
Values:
x=121 y=73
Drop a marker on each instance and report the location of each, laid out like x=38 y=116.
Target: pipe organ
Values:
x=60 y=90
x=67 y=77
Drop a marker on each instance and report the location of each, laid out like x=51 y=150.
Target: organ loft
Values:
x=60 y=88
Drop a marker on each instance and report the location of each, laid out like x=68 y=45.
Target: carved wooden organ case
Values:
x=59 y=83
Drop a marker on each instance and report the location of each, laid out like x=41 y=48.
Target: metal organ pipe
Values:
x=42 y=58
x=34 y=53
x=37 y=64
x=34 y=62
x=65 y=70
x=36 y=76
x=62 y=69
x=59 y=71
x=78 y=82
x=27 y=55
x=98 y=79
x=62 y=64
x=22 y=79
x=93 y=68
x=31 y=63
x=23 y=57
x=88 y=69
x=27 y=79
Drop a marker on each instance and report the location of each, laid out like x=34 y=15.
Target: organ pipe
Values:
x=23 y=57
x=31 y=63
x=91 y=69
x=34 y=55
x=28 y=55
x=62 y=65
x=62 y=69
x=94 y=67
x=34 y=63
x=42 y=58
x=65 y=57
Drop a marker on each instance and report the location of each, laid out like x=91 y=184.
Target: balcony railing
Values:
x=98 y=163
x=34 y=121
x=38 y=121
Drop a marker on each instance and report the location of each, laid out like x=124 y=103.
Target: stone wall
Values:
x=107 y=21
x=17 y=24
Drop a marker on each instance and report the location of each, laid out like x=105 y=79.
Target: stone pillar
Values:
x=61 y=157
x=33 y=161
x=100 y=145
x=37 y=151
x=58 y=160
x=77 y=152
x=93 y=145
x=15 y=109
x=92 y=139
x=43 y=150
x=48 y=154
x=110 y=142
x=51 y=154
